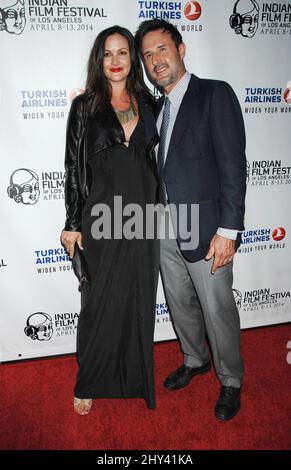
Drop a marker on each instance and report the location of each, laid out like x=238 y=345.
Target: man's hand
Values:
x=222 y=249
x=68 y=239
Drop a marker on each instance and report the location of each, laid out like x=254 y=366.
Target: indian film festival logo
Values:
x=40 y=326
x=268 y=18
x=248 y=169
x=261 y=300
x=237 y=298
x=25 y=185
x=50 y=15
x=12 y=17
x=262 y=173
x=175 y=12
x=245 y=18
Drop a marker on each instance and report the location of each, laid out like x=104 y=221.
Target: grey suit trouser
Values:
x=202 y=303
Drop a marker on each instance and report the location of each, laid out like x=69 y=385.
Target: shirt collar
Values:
x=177 y=93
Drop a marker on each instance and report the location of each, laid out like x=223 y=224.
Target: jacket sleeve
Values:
x=73 y=198
x=228 y=139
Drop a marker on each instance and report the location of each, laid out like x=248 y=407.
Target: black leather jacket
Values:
x=86 y=136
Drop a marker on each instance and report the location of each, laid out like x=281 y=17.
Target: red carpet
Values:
x=37 y=413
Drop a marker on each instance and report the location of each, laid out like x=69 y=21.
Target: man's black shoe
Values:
x=228 y=403
x=182 y=376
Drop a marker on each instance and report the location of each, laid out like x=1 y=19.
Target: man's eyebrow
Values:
x=158 y=47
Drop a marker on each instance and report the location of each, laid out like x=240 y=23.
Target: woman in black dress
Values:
x=111 y=135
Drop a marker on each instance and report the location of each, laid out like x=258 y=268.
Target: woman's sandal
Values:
x=82 y=406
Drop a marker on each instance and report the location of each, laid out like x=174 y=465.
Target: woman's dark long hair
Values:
x=98 y=89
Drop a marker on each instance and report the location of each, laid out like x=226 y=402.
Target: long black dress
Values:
x=116 y=323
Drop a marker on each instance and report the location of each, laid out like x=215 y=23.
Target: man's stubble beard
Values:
x=168 y=80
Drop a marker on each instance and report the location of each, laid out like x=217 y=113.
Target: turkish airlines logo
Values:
x=287 y=93
x=192 y=11
x=75 y=92
x=278 y=234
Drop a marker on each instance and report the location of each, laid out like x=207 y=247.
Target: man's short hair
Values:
x=153 y=25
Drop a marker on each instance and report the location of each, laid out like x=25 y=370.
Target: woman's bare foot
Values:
x=82 y=406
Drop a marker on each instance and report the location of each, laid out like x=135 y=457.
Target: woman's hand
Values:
x=68 y=240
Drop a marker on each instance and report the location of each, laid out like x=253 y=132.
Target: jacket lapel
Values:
x=103 y=131
x=151 y=133
x=187 y=109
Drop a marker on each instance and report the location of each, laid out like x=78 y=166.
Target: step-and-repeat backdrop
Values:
x=45 y=46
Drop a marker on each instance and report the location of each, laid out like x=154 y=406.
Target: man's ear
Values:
x=182 y=50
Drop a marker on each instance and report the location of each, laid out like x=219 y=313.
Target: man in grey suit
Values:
x=201 y=160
